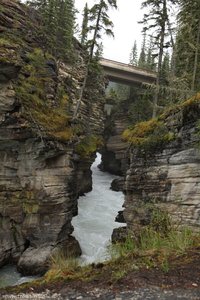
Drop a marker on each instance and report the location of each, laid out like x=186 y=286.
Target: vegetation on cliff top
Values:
x=158 y=131
x=88 y=145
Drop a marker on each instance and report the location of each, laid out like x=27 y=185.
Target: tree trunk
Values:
x=88 y=63
x=160 y=57
x=196 y=59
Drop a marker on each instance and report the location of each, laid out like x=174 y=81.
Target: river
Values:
x=95 y=221
x=92 y=227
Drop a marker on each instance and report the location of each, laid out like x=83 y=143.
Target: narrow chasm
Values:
x=97 y=210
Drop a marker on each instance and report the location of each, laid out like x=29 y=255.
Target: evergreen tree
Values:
x=150 y=58
x=188 y=43
x=58 y=24
x=134 y=55
x=142 y=58
x=100 y=22
x=156 y=21
x=66 y=26
x=84 y=30
x=165 y=70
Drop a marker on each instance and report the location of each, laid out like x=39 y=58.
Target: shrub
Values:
x=88 y=145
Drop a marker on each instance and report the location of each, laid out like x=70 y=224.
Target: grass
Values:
x=61 y=267
x=155 y=246
x=152 y=249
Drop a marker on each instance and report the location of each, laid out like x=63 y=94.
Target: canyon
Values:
x=46 y=155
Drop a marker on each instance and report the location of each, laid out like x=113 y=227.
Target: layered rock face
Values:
x=167 y=174
x=40 y=171
x=115 y=155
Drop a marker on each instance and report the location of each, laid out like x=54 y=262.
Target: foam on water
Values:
x=96 y=216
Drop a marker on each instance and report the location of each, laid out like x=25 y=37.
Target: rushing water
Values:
x=10 y=276
x=92 y=227
x=96 y=216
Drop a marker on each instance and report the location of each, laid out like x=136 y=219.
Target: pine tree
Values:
x=134 y=55
x=66 y=22
x=165 y=70
x=84 y=30
x=58 y=24
x=156 y=21
x=100 y=22
x=150 y=59
x=188 y=43
x=142 y=58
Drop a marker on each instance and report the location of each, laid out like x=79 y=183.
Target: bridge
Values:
x=126 y=74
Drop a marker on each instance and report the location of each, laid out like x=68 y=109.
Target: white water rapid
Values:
x=95 y=221
x=92 y=227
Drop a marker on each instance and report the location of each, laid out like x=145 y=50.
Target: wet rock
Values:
x=118 y=184
x=119 y=234
x=35 y=261
x=120 y=217
x=114 y=154
x=8 y=72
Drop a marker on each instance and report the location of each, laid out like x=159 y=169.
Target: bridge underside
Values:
x=126 y=74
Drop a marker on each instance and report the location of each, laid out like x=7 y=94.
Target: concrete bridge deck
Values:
x=126 y=74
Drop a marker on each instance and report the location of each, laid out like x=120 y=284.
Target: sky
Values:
x=126 y=28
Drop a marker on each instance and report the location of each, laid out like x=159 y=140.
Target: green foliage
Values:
x=7 y=45
x=156 y=21
x=99 y=22
x=58 y=24
x=5 y=42
x=85 y=29
x=31 y=90
x=142 y=57
x=88 y=145
x=187 y=59
x=61 y=267
x=133 y=55
x=157 y=243
x=156 y=132
x=148 y=134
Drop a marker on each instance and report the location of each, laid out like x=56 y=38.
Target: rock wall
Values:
x=114 y=154
x=40 y=169
x=167 y=174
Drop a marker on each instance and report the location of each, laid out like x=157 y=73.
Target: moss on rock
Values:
x=159 y=131
x=88 y=145
x=49 y=116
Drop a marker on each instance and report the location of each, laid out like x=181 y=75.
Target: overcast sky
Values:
x=126 y=28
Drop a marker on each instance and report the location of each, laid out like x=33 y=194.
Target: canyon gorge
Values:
x=46 y=154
